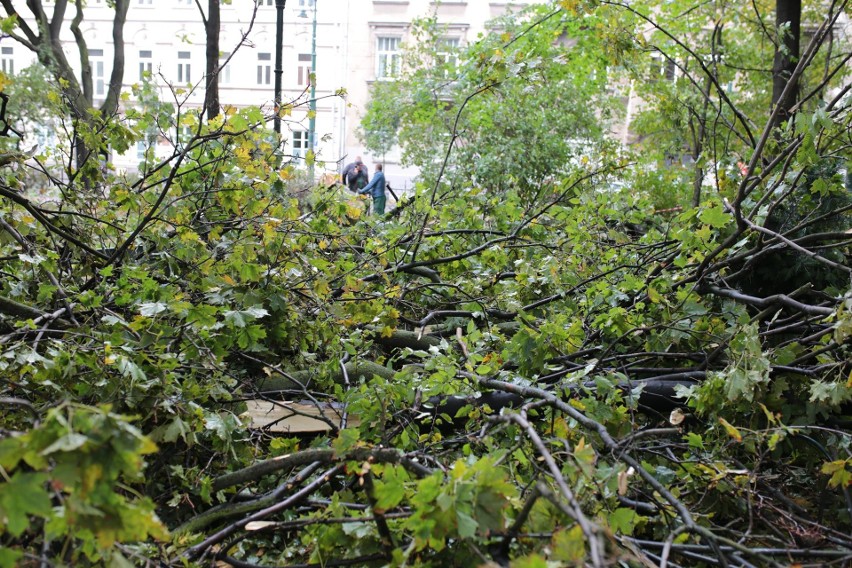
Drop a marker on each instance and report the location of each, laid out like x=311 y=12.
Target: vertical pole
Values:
x=279 y=40
x=312 y=119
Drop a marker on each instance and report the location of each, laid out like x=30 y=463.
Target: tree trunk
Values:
x=788 y=17
x=211 y=27
x=45 y=42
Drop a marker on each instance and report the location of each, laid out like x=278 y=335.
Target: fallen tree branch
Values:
x=300 y=380
x=261 y=469
x=775 y=299
x=200 y=549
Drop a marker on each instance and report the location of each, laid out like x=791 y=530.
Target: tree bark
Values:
x=45 y=42
x=788 y=17
x=211 y=27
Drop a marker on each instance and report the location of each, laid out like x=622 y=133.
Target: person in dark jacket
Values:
x=376 y=189
x=355 y=175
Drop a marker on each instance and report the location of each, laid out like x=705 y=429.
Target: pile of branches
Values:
x=565 y=374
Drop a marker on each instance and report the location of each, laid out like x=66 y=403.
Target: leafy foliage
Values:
x=542 y=356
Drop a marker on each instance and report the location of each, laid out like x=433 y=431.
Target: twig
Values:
x=201 y=548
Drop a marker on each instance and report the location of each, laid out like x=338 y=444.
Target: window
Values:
x=300 y=143
x=145 y=147
x=265 y=2
x=448 y=53
x=224 y=70
x=304 y=70
x=185 y=3
x=264 y=68
x=184 y=135
x=184 y=69
x=46 y=136
x=662 y=68
x=144 y=2
x=96 y=61
x=388 y=57
x=7 y=60
x=146 y=64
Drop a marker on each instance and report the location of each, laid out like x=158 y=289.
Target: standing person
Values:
x=376 y=189
x=355 y=175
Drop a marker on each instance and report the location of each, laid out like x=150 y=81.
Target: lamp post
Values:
x=279 y=40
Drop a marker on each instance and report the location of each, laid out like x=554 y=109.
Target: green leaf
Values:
x=531 y=561
x=22 y=496
x=203 y=316
x=236 y=318
x=466 y=525
x=695 y=440
x=9 y=557
x=716 y=217
x=256 y=312
x=390 y=490
x=347 y=439
x=149 y=309
x=176 y=428
x=250 y=272
x=623 y=520
x=7 y=25
x=569 y=545
x=66 y=443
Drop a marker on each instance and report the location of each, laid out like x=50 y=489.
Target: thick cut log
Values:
x=295 y=417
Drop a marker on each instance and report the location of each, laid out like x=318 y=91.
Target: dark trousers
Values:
x=379 y=205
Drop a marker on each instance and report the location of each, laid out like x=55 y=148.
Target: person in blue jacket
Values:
x=376 y=189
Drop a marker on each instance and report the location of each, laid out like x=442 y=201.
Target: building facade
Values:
x=350 y=44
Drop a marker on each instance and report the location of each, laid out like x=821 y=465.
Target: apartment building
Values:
x=349 y=43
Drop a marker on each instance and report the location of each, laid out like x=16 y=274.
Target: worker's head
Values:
x=379 y=167
x=358 y=160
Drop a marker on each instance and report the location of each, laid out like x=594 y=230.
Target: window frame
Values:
x=299 y=141
x=447 y=51
x=7 y=59
x=388 y=58
x=97 y=62
x=264 y=69
x=146 y=63
x=304 y=65
x=184 y=67
x=662 y=68
x=224 y=75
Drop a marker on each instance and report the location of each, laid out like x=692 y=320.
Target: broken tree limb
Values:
x=260 y=469
x=19 y=310
x=300 y=380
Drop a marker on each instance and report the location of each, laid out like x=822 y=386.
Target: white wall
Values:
x=345 y=57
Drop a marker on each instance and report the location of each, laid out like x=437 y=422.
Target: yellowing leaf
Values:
x=584 y=453
x=654 y=296
x=840 y=471
x=569 y=545
x=731 y=430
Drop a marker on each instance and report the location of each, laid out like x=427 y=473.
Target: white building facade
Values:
x=357 y=42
